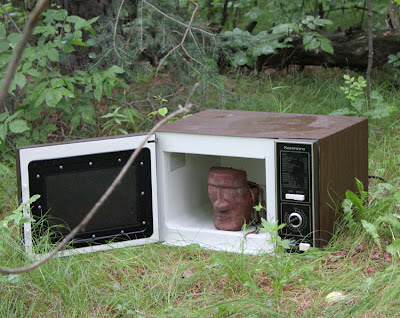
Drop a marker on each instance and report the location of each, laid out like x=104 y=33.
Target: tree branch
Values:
x=10 y=18
x=189 y=26
x=115 y=28
x=370 y=53
x=12 y=67
x=105 y=196
x=175 y=20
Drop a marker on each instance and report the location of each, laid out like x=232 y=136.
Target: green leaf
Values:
x=163 y=111
x=98 y=78
x=322 y=22
x=307 y=38
x=53 y=96
x=3 y=132
x=355 y=200
x=3 y=116
x=315 y=43
x=327 y=46
x=87 y=113
x=284 y=243
x=33 y=113
x=4 y=46
x=116 y=69
x=132 y=113
x=3 y=32
x=20 y=80
x=18 y=126
x=53 y=56
x=17 y=114
x=348 y=212
x=240 y=58
x=393 y=248
x=78 y=43
x=98 y=92
x=93 y=20
x=372 y=230
x=65 y=92
x=49 y=127
x=5 y=58
x=13 y=39
x=108 y=89
x=57 y=82
x=284 y=28
x=263 y=50
x=360 y=188
x=311 y=26
x=34 y=73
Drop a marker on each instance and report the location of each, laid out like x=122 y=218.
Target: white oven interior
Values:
x=186 y=212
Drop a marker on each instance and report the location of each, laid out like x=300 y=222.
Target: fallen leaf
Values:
x=335 y=296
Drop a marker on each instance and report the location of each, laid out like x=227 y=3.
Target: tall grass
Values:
x=163 y=281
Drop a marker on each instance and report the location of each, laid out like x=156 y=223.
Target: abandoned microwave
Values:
x=304 y=164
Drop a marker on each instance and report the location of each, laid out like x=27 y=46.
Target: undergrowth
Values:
x=355 y=275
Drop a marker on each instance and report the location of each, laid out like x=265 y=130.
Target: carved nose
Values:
x=221 y=204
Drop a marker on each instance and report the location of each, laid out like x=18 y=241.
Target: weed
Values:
x=355 y=93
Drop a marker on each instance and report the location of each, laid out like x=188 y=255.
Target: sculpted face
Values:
x=232 y=198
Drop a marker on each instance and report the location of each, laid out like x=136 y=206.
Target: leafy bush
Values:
x=46 y=96
x=246 y=48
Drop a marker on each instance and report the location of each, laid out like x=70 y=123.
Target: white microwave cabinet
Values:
x=303 y=163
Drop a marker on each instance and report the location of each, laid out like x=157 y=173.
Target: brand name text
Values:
x=294 y=148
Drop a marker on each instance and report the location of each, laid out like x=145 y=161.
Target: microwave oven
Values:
x=303 y=163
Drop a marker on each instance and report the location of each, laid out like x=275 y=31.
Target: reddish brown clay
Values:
x=232 y=198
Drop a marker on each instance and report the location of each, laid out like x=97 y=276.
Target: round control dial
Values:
x=295 y=220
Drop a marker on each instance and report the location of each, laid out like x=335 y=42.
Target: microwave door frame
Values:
x=26 y=155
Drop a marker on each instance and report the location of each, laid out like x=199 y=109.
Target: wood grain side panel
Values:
x=343 y=157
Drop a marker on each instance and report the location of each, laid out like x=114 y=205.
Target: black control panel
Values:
x=294 y=192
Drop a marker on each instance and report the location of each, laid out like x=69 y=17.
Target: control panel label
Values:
x=295 y=197
x=294 y=171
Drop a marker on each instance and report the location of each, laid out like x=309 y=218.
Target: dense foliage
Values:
x=121 y=72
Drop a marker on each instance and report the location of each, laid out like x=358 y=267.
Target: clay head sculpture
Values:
x=232 y=198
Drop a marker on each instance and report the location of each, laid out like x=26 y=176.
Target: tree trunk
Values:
x=394 y=15
x=350 y=50
x=85 y=9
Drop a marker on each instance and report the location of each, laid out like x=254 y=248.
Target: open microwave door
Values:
x=71 y=177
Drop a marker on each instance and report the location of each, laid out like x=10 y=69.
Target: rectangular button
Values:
x=297 y=197
x=304 y=247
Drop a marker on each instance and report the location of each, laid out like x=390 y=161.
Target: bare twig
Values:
x=10 y=18
x=141 y=26
x=116 y=26
x=370 y=53
x=175 y=20
x=12 y=67
x=189 y=26
x=105 y=196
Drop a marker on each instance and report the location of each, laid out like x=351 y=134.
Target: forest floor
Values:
x=351 y=276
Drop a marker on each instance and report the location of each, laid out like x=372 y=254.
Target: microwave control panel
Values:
x=294 y=193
